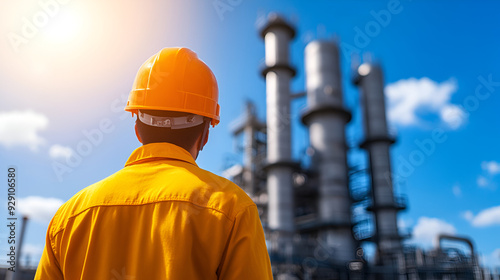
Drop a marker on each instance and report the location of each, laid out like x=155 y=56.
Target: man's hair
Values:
x=185 y=137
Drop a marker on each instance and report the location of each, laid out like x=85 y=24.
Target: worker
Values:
x=161 y=216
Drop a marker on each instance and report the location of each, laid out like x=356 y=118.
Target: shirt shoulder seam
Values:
x=153 y=202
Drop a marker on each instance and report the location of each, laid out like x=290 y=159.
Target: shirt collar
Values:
x=159 y=151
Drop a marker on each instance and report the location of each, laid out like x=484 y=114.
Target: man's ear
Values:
x=203 y=141
x=137 y=134
x=206 y=137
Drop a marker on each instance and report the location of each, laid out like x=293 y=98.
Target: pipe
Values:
x=466 y=240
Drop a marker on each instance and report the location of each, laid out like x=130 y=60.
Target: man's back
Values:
x=161 y=217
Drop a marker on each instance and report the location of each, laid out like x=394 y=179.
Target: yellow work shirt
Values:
x=160 y=217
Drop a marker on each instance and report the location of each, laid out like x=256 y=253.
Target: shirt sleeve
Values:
x=246 y=255
x=48 y=267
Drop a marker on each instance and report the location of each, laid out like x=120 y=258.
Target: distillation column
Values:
x=248 y=128
x=326 y=119
x=277 y=34
x=385 y=205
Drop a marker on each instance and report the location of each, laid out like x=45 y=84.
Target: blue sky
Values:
x=64 y=80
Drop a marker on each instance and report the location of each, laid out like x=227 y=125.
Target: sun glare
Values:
x=65 y=27
x=39 y=69
x=58 y=44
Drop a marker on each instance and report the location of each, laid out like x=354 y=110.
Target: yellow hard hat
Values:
x=175 y=79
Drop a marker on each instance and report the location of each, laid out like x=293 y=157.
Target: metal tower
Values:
x=326 y=119
x=385 y=205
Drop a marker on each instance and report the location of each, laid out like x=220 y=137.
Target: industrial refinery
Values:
x=318 y=215
x=319 y=211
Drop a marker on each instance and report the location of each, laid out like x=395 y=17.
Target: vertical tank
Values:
x=385 y=205
x=326 y=119
x=277 y=34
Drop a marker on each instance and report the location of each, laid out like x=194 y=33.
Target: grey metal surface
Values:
x=378 y=141
x=249 y=158
x=327 y=138
x=279 y=181
x=323 y=81
x=373 y=99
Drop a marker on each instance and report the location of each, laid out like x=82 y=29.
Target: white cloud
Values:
x=427 y=230
x=21 y=128
x=40 y=209
x=404 y=223
x=457 y=191
x=31 y=250
x=452 y=115
x=60 y=152
x=487 y=217
x=487 y=177
x=31 y=253
x=409 y=98
x=492 y=260
x=232 y=171
x=492 y=167
x=468 y=215
x=482 y=181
